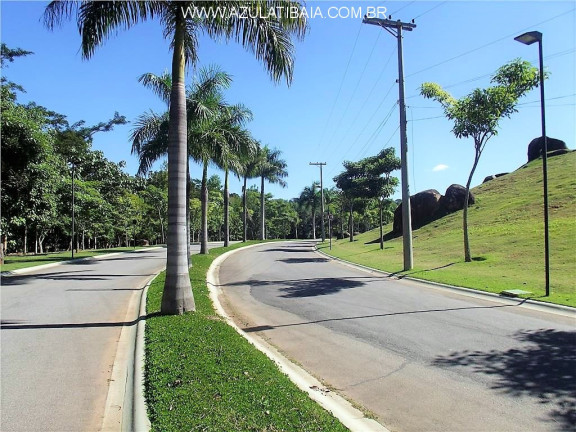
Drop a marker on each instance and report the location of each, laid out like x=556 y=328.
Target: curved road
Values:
x=421 y=358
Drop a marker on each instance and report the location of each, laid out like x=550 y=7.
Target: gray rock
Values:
x=535 y=147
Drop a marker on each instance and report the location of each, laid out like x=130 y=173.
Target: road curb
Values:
x=532 y=304
x=343 y=410
x=125 y=403
x=70 y=261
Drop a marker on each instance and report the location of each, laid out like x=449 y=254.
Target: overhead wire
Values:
x=340 y=87
x=430 y=10
x=369 y=95
x=488 y=44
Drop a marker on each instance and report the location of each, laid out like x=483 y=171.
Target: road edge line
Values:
x=340 y=408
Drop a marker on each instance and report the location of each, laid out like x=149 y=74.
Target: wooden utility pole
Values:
x=395 y=29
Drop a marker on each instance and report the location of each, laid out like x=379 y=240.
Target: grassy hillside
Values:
x=506 y=236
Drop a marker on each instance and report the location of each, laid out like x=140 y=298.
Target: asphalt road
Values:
x=60 y=328
x=421 y=358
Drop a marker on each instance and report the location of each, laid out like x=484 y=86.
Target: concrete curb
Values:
x=125 y=404
x=343 y=410
x=76 y=260
x=527 y=303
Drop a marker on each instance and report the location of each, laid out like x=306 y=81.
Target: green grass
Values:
x=506 y=231
x=201 y=375
x=15 y=262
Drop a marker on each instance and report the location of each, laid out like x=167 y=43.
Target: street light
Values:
x=73 y=166
x=381 y=199
x=528 y=39
x=134 y=222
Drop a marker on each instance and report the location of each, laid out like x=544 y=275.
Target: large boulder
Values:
x=453 y=199
x=423 y=208
x=492 y=177
x=535 y=147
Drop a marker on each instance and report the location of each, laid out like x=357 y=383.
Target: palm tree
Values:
x=268 y=38
x=249 y=169
x=273 y=170
x=236 y=146
x=309 y=199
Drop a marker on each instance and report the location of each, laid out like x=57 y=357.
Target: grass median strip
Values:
x=200 y=374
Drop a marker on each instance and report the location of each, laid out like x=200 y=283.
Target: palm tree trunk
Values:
x=188 y=245
x=177 y=297
x=244 y=212
x=351 y=223
x=262 y=211
x=204 y=202
x=226 y=211
x=314 y=223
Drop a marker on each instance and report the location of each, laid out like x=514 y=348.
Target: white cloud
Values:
x=440 y=167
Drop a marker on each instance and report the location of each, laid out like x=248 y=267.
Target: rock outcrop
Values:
x=535 y=147
x=430 y=205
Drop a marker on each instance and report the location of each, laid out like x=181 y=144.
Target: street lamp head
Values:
x=529 y=38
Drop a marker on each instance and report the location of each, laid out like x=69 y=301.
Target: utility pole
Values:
x=395 y=29
x=320 y=164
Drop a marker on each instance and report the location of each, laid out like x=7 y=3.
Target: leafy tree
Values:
x=268 y=38
x=477 y=115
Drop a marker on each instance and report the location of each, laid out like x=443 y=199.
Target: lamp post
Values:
x=528 y=39
x=134 y=222
x=73 y=212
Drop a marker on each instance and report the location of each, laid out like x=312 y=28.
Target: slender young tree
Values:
x=478 y=114
x=268 y=38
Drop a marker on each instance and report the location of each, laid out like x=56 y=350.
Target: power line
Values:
x=430 y=10
x=554 y=55
x=375 y=134
x=340 y=88
x=369 y=96
x=358 y=81
x=402 y=8
x=488 y=44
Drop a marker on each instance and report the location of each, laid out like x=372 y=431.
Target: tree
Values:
x=478 y=114
x=268 y=38
x=309 y=199
x=273 y=170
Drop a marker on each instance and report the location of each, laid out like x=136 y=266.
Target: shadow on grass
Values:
x=20 y=325
x=544 y=369
x=402 y=274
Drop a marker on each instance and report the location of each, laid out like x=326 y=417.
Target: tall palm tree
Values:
x=268 y=38
x=273 y=170
x=236 y=146
x=309 y=199
x=249 y=169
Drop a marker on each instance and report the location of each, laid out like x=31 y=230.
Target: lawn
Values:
x=15 y=262
x=201 y=375
x=506 y=237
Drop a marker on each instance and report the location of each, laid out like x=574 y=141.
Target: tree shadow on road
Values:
x=303 y=260
x=544 y=369
x=307 y=287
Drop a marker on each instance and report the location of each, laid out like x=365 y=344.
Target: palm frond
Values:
x=161 y=85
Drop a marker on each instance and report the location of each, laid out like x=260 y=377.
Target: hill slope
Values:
x=506 y=236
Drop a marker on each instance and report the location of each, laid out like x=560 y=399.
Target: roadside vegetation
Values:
x=506 y=230
x=200 y=374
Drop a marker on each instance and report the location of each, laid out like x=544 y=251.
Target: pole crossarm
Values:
x=388 y=23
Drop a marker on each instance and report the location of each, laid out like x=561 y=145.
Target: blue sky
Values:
x=342 y=104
